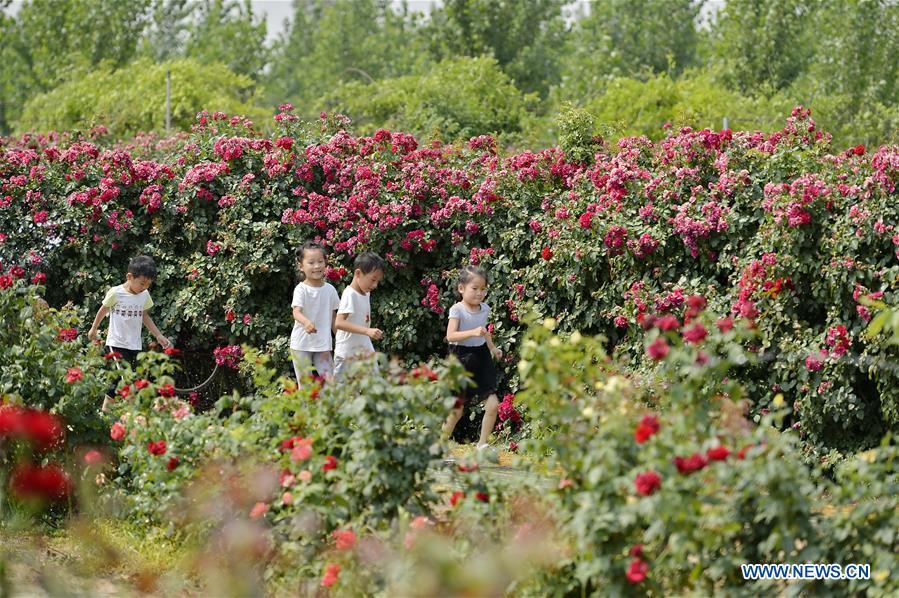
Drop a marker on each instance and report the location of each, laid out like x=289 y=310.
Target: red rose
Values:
x=456 y=497
x=172 y=352
x=647 y=427
x=67 y=335
x=74 y=375
x=647 y=483
x=113 y=355
x=49 y=482
x=93 y=457
x=658 y=349
x=547 y=253
x=166 y=390
x=157 y=447
x=229 y=315
x=687 y=465
x=330 y=463
x=637 y=571
x=666 y=322
x=636 y=550
x=117 y=432
x=332 y=571
x=695 y=334
x=482 y=496
x=344 y=539
x=718 y=453
x=858 y=150
x=173 y=463
x=43 y=430
x=124 y=391
x=725 y=324
x=141 y=384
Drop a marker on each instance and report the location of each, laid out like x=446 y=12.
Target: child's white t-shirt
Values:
x=319 y=305
x=126 y=317
x=358 y=308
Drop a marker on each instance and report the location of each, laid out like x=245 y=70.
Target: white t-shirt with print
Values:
x=319 y=305
x=358 y=308
x=126 y=317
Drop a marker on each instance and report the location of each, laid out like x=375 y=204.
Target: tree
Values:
x=628 y=38
x=132 y=99
x=763 y=44
x=349 y=40
x=457 y=98
x=168 y=30
x=49 y=42
x=227 y=31
x=526 y=41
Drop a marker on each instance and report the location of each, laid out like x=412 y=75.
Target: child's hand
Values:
x=310 y=328
x=375 y=334
x=92 y=335
x=497 y=353
x=480 y=331
x=162 y=340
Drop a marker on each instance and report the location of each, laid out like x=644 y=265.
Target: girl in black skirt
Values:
x=473 y=345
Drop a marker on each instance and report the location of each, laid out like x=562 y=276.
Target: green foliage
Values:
x=634 y=107
x=752 y=503
x=576 y=136
x=132 y=99
x=764 y=44
x=332 y=43
x=458 y=98
x=619 y=38
x=35 y=361
x=527 y=44
x=227 y=32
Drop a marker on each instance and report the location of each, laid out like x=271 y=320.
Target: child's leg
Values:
x=489 y=421
x=323 y=364
x=302 y=361
x=451 y=420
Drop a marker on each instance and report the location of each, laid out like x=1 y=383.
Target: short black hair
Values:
x=369 y=262
x=142 y=265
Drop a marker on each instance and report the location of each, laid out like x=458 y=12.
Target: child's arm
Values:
x=334 y=322
x=341 y=323
x=101 y=313
x=305 y=322
x=496 y=352
x=454 y=335
x=149 y=323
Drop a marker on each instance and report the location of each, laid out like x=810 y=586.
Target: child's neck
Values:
x=355 y=286
x=470 y=307
x=128 y=288
x=314 y=283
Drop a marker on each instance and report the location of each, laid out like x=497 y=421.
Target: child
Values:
x=470 y=341
x=314 y=306
x=354 y=331
x=128 y=307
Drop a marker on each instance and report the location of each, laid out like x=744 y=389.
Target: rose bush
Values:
x=664 y=485
x=778 y=229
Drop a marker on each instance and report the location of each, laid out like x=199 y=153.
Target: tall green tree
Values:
x=347 y=40
x=764 y=44
x=229 y=32
x=48 y=42
x=629 y=38
x=525 y=39
x=168 y=30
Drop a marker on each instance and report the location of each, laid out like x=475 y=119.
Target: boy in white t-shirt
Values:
x=314 y=309
x=354 y=331
x=128 y=308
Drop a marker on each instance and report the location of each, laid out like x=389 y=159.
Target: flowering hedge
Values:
x=779 y=229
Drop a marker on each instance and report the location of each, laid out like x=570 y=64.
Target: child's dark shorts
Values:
x=479 y=363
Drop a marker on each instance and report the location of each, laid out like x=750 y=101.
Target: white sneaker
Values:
x=485 y=446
